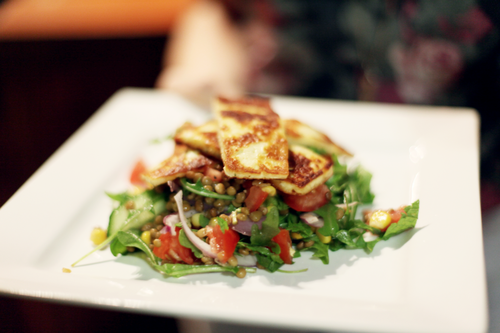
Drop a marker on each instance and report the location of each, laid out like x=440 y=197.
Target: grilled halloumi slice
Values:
x=176 y=166
x=252 y=139
x=203 y=138
x=308 y=170
x=301 y=134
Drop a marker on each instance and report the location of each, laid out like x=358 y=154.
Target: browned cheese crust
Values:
x=252 y=139
x=302 y=134
x=308 y=170
x=176 y=166
x=203 y=138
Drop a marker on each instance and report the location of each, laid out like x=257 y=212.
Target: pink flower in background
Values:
x=469 y=28
x=425 y=69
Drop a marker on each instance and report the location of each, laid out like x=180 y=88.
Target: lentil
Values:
x=130 y=205
x=243 y=251
x=207 y=180
x=255 y=216
x=209 y=188
x=232 y=261
x=231 y=190
x=240 y=197
x=220 y=188
x=300 y=246
x=263 y=210
x=157 y=242
x=241 y=273
x=309 y=243
x=241 y=217
x=197 y=176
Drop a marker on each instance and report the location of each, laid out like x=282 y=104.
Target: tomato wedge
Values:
x=308 y=202
x=285 y=243
x=222 y=243
x=255 y=198
x=172 y=250
x=135 y=176
x=215 y=175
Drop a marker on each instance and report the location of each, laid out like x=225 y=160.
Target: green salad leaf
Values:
x=407 y=221
x=184 y=241
x=178 y=270
x=200 y=190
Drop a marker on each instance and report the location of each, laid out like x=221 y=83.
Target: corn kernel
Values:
x=146 y=237
x=323 y=239
x=98 y=236
x=296 y=235
x=269 y=190
x=380 y=220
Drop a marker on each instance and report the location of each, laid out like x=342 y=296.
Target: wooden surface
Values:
x=70 y=19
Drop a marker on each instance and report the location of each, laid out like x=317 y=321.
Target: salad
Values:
x=247 y=191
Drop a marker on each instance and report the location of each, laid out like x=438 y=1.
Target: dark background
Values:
x=47 y=90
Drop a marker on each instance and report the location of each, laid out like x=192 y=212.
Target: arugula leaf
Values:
x=178 y=270
x=320 y=249
x=274 y=254
x=370 y=245
x=116 y=247
x=362 y=225
x=344 y=237
x=222 y=224
x=184 y=241
x=270 y=228
x=327 y=212
x=407 y=221
x=336 y=245
x=200 y=190
x=120 y=197
x=269 y=263
x=129 y=238
x=360 y=179
x=295 y=225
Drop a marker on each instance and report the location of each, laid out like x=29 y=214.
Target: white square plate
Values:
x=431 y=279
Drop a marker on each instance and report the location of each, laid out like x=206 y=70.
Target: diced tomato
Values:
x=222 y=243
x=135 y=176
x=308 y=202
x=285 y=243
x=172 y=250
x=214 y=174
x=255 y=198
x=396 y=214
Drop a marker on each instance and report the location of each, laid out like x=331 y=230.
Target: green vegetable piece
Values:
x=370 y=245
x=130 y=238
x=120 y=197
x=178 y=270
x=293 y=272
x=200 y=190
x=362 y=225
x=344 y=237
x=184 y=241
x=199 y=220
x=327 y=212
x=320 y=249
x=270 y=228
x=268 y=263
x=407 y=221
x=222 y=224
x=117 y=247
x=295 y=225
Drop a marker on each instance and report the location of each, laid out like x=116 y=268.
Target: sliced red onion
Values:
x=312 y=219
x=247 y=261
x=169 y=221
x=173 y=186
x=201 y=245
x=166 y=229
x=245 y=227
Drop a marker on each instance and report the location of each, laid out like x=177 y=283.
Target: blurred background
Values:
x=60 y=60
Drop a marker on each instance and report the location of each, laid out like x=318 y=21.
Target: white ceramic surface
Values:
x=431 y=279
